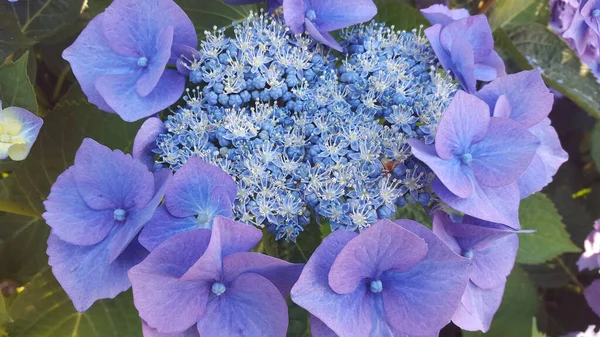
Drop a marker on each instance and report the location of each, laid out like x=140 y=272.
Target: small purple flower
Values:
x=590 y=259
x=120 y=57
x=524 y=98
x=319 y=18
x=464 y=46
x=145 y=141
x=96 y=209
x=19 y=129
x=206 y=283
x=441 y=14
x=583 y=32
x=393 y=279
x=478 y=159
x=197 y=193
x=493 y=249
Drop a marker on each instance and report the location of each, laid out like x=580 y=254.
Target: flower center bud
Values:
x=202 y=219
x=5 y=138
x=120 y=214
x=218 y=288
x=596 y=13
x=466 y=158
x=468 y=254
x=311 y=15
x=142 y=62
x=376 y=286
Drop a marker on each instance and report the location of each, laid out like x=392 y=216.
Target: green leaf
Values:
x=519 y=304
x=23 y=238
x=514 y=12
x=4 y=316
x=11 y=37
x=96 y=7
x=534 y=330
x=596 y=145
x=550 y=239
x=542 y=49
x=43 y=309
x=214 y=13
x=15 y=87
x=38 y=19
x=403 y=16
x=414 y=212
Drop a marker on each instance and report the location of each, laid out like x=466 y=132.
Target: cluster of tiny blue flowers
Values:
x=302 y=132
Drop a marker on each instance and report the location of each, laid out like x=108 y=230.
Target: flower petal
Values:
x=496 y=164
x=227 y=237
x=119 y=92
x=451 y=172
x=145 y=141
x=163 y=301
x=529 y=98
x=281 y=273
x=483 y=304
x=463 y=64
x=475 y=30
x=321 y=35
x=71 y=218
x=592 y=296
x=155 y=66
x=381 y=247
x=192 y=185
x=319 y=329
x=433 y=35
x=163 y=226
x=91 y=57
x=150 y=332
x=136 y=219
x=132 y=27
x=422 y=300
x=346 y=315
x=464 y=122
x=29 y=127
x=293 y=13
x=86 y=273
x=109 y=179
x=440 y=14
x=250 y=306
x=498 y=204
x=337 y=14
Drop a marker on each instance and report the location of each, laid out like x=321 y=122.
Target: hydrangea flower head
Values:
x=464 y=46
x=393 y=279
x=120 y=57
x=197 y=193
x=592 y=296
x=562 y=13
x=492 y=248
x=318 y=18
x=590 y=259
x=299 y=135
x=19 y=129
x=96 y=209
x=476 y=171
x=583 y=32
x=206 y=282
x=527 y=100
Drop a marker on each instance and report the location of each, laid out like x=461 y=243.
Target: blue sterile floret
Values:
x=302 y=131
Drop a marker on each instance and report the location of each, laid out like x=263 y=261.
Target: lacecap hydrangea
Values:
x=303 y=131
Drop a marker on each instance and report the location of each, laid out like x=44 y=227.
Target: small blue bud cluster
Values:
x=299 y=134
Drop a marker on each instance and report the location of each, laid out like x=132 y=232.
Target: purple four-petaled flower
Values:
x=120 y=57
x=493 y=249
x=96 y=209
x=464 y=45
x=478 y=159
x=197 y=194
x=206 y=283
x=393 y=279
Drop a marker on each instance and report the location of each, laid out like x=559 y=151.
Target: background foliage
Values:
x=543 y=294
